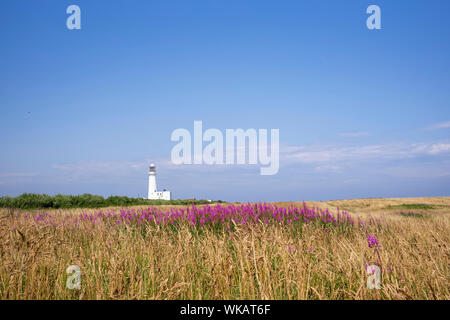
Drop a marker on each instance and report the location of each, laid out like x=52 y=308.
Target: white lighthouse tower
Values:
x=153 y=194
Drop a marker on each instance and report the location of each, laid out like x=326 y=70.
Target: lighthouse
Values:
x=153 y=193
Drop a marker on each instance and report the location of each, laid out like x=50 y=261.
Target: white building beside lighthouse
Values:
x=153 y=192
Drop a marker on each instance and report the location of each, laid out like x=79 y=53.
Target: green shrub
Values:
x=60 y=201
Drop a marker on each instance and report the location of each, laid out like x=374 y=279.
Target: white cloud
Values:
x=327 y=168
x=8 y=178
x=439 y=148
x=98 y=166
x=323 y=158
x=354 y=134
x=441 y=125
x=323 y=154
x=115 y=170
x=98 y=170
x=417 y=170
x=17 y=174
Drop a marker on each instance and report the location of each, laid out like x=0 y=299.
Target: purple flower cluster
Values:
x=226 y=215
x=373 y=242
x=235 y=214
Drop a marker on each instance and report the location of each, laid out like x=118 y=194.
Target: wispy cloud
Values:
x=354 y=134
x=98 y=170
x=10 y=178
x=417 y=170
x=327 y=168
x=323 y=154
x=17 y=174
x=104 y=171
x=323 y=158
x=441 y=125
x=439 y=148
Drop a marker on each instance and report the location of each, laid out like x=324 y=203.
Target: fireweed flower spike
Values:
x=373 y=242
x=206 y=216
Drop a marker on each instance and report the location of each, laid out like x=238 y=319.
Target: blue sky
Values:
x=361 y=113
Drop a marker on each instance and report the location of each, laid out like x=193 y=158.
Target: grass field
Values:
x=124 y=255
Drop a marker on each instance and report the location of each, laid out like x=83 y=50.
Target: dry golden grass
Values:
x=253 y=262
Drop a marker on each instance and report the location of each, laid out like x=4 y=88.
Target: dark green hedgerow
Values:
x=43 y=201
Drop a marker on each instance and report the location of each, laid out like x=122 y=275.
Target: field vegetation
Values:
x=313 y=250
